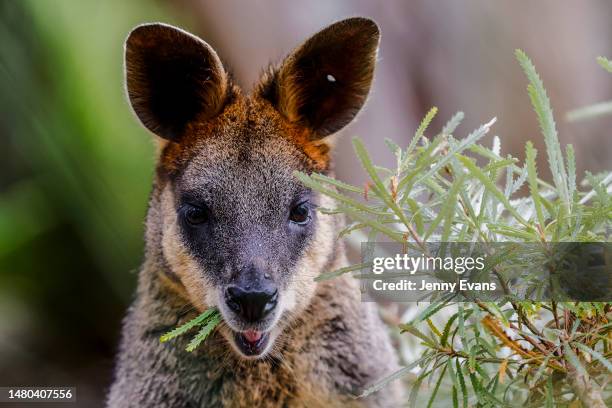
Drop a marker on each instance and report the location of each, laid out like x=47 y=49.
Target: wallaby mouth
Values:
x=250 y=308
x=252 y=343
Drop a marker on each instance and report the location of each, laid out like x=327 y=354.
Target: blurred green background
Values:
x=76 y=166
x=74 y=177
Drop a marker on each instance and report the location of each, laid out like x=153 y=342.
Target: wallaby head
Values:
x=229 y=224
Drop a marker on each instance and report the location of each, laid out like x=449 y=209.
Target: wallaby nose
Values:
x=251 y=305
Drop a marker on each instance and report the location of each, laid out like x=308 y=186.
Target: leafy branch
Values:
x=207 y=322
x=511 y=352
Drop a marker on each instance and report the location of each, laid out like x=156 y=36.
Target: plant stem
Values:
x=587 y=390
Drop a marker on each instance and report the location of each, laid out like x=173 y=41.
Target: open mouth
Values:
x=252 y=342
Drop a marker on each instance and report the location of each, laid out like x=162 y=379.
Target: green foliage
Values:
x=77 y=159
x=507 y=353
x=207 y=321
x=541 y=105
x=598 y=109
x=605 y=63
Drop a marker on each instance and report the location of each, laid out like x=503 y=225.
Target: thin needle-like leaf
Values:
x=201 y=319
x=532 y=175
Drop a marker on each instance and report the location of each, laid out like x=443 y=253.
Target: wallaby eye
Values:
x=300 y=214
x=195 y=215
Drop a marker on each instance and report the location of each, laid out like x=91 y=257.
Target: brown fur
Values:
x=239 y=153
x=301 y=89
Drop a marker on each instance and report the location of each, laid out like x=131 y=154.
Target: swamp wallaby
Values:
x=230 y=227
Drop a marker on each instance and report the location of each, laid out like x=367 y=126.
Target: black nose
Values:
x=251 y=305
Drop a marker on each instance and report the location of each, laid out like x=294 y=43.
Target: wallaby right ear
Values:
x=324 y=82
x=172 y=78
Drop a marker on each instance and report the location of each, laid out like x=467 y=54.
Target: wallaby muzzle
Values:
x=251 y=303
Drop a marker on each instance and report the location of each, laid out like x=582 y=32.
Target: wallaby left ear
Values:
x=172 y=79
x=325 y=82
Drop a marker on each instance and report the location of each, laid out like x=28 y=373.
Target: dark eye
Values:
x=300 y=214
x=195 y=215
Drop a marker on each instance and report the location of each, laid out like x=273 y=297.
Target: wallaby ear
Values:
x=324 y=83
x=172 y=78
